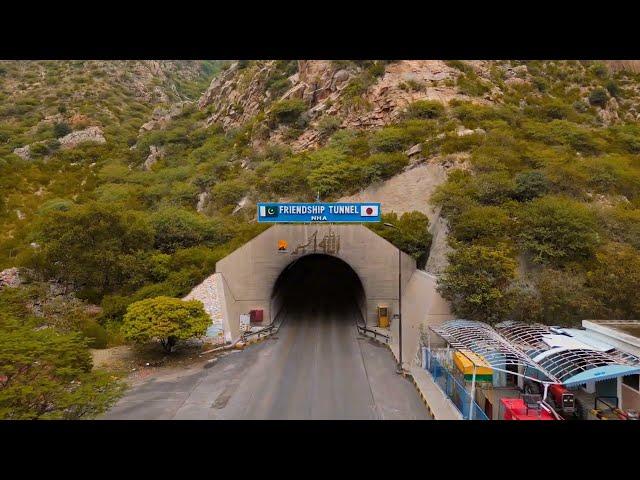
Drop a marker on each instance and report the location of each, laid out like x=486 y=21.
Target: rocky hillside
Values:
x=74 y=111
x=123 y=181
x=180 y=153
x=360 y=95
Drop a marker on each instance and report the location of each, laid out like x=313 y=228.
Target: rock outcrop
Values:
x=162 y=116
x=10 y=278
x=239 y=94
x=155 y=154
x=90 y=134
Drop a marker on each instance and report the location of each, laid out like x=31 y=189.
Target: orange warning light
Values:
x=282 y=245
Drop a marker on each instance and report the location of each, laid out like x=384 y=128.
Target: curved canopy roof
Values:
x=483 y=340
x=569 y=358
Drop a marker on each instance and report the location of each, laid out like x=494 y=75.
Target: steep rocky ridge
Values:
x=238 y=94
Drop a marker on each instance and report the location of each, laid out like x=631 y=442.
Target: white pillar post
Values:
x=472 y=393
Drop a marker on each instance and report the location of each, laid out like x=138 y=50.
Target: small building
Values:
x=624 y=335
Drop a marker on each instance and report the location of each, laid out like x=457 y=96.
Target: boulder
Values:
x=73 y=139
x=462 y=131
x=23 y=152
x=415 y=150
x=203 y=199
x=155 y=154
x=10 y=278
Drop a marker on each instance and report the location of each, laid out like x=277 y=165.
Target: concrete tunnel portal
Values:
x=319 y=285
x=344 y=271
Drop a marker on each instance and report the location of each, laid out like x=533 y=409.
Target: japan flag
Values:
x=369 y=211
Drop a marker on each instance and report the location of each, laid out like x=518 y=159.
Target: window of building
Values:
x=632 y=381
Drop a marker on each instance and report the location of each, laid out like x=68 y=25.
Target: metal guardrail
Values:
x=268 y=330
x=363 y=329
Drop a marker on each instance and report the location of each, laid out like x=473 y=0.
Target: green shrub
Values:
x=613 y=88
x=49 y=375
x=481 y=224
x=598 y=97
x=411 y=235
x=494 y=188
x=615 y=281
x=287 y=111
x=557 y=230
x=562 y=297
x=180 y=228
x=477 y=281
x=471 y=85
x=228 y=192
x=92 y=246
x=424 y=109
x=622 y=224
x=599 y=69
x=95 y=333
x=114 y=307
x=329 y=124
x=61 y=129
x=381 y=166
x=460 y=65
x=390 y=139
x=530 y=185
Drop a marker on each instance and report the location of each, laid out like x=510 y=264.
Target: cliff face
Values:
x=343 y=90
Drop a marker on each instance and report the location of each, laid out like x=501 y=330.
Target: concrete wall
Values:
x=422 y=306
x=250 y=272
x=629 y=398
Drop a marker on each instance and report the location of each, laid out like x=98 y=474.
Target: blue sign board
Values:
x=318 y=212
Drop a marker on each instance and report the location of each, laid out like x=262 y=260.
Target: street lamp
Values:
x=399 y=369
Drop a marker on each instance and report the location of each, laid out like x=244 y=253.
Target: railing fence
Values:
x=456 y=391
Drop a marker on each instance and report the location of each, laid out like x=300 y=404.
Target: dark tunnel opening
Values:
x=320 y=286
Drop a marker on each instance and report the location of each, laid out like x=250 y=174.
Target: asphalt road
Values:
x=317 y=367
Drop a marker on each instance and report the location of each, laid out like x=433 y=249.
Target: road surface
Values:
x=317 y=367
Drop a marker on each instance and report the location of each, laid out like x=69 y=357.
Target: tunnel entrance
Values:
x=318 y=286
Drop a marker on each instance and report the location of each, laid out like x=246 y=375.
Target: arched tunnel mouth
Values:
x=318 y=286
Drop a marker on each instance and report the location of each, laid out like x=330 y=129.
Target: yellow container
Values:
x=383 y=316
x=464 y=360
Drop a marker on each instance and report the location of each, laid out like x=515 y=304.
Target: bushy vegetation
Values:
x=166 y=320
x=544 y=217
x=551 y=196
x=46 y=374
x=411 y=233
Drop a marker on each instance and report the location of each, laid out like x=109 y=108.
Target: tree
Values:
x=164 y=319
x=615 y=281
x=46 y=374
x=181 y=228
x=563 y=297
x=482 y=224
x=477 y=281
x=557 y=230
x=228 y=192
x=92 y=245
x=412 y=235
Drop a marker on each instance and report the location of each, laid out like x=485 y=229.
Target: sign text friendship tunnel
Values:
x=318 y=212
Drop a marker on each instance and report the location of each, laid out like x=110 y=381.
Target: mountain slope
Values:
x=517 y=142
